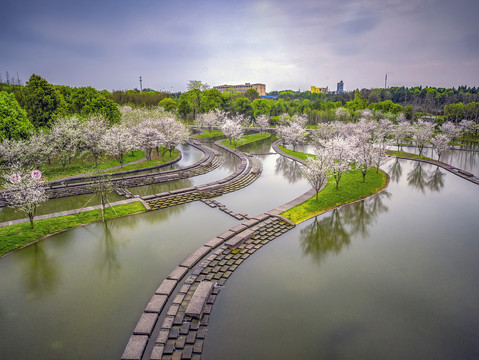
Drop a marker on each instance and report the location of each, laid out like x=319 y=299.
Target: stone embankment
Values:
x=248 y=171
x=122 y=180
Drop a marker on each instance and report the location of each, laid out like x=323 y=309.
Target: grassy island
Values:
x=245 y=140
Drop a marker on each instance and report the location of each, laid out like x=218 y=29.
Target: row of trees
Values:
x=340 y=147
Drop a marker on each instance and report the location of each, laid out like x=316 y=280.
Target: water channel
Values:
x=394 y=276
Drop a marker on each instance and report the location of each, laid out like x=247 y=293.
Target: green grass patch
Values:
x=155 y=160
x=245 y=140
x=15 y=236
x=297 y=154
x=351 y=188
x=85 y=165
x=209 y=135
x=414 y=156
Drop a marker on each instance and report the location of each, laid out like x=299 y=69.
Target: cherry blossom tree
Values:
x=92 y=132
x=207 y=120
x=232 y=130
x=467 y=126
x=400 y=131
x=450 y=129
x=340 y=151
x=148 y=136
x=440 y=144
x=65 y=136
x=316 y=172
x=263 y=122
x=362 y=152
x=12 y=152
x=379 y=154
x=422 y=133
x=117 y=141
x=174 y=132
x=292 y=134
x=26 y=191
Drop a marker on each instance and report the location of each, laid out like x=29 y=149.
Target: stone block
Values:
x=214 y=242
x=157 y=352
x=237 y=240
x=156 y=303
x=193 y=258
x=166 y=287
x=177 y=273
x=135 y=347
x=226 y=235
x=238 y=228
x=199 y=298
x=251 y=222
x=162 y=337
x=146 y=324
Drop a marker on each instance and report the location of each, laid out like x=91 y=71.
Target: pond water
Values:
x=392 y=277
x=396 y=269
x=79 y=294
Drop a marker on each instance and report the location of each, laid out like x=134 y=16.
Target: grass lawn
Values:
x=297 y=154
x=155 y=160
x=209 y=135
x=351 y=188
x=15 y=236
x=413 y=156
x=84 y=165
x=245 y=140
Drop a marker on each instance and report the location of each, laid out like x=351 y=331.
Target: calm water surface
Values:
x=392 y=277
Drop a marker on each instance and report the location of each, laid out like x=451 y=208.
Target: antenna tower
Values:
x=386 y=81
x=141 y=88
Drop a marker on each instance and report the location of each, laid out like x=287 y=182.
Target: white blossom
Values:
x=231 y=129
x=263 y=122
x=92 y=132
x=65 y=137
x=117 y=141
x=450 y=129
x=317 y=169
x=440 y=144
x=26 y=191
x=421 y=134
x=340 y=151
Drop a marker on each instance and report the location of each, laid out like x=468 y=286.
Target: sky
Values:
x=281 y=43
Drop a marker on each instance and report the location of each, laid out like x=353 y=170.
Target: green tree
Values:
x=14 y=123
x=184 y=107
x=251 y=94
x=102 y=106
x=243 y=106
x=210 y=100
x=197 y=85
x=168 y=104
x=43 y=103
x=261 y=107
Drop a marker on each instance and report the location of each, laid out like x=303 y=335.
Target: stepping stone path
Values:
x=181 y=325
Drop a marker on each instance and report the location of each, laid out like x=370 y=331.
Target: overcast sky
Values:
x=286 y=44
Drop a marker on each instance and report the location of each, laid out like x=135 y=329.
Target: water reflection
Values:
x=107 y=254
x=421 y=179
x=395 y=171
x=288 y=169
x=41 y=274
x=332 y=233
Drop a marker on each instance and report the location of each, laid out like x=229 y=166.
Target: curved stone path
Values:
x=248 y=171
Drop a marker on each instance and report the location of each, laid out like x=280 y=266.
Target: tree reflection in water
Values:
x=41 y=273
x=289 y=169
x=107 y=254
x=421 y=179
x=332 y=233
x=395 y=171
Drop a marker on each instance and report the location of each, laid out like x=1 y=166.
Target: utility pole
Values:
x=386 y=81
x=141 y=88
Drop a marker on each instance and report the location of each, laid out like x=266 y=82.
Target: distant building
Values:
x=340 y=88
x=260 y=88
x=319 y=90
x=270 y=97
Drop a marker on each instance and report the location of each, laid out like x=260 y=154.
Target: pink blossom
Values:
x=15 y=178
x=36 y=175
